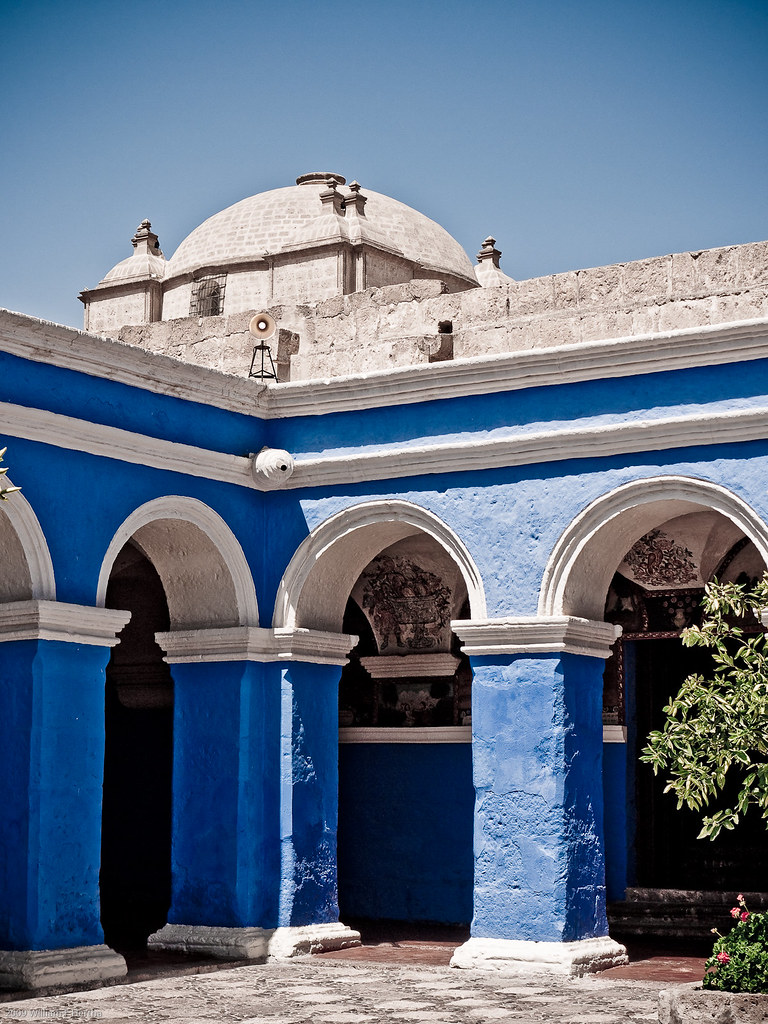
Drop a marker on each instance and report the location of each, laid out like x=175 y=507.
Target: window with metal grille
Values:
x=208 y=296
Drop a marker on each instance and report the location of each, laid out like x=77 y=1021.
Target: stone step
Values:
x=676 y=913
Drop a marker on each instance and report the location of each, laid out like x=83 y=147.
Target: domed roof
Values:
x=147 y=259
x=297 y=217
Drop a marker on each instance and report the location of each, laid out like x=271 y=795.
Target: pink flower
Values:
x=735 y=911
x=740 y=897
x=722 y=958
x=745 y=915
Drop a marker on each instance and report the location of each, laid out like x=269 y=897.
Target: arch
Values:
x=205 y=574
x=314 y=589
x=583 y=561
x=27 y=565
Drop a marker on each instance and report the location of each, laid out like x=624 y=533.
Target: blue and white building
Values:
x=379 y=639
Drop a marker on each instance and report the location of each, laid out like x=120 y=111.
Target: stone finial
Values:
x=489 y=251
x=356 y=200
x=145 y=240
x=331 y=197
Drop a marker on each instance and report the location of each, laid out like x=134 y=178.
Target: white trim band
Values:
x=414 y=734
x=55 y=620
x=516 y=956
x=252 y=643
x=410 y=666
x=564 y=634
x=614 y=734
x=522 y=449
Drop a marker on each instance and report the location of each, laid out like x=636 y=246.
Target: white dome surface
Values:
x=287 y=219
x=140 y=265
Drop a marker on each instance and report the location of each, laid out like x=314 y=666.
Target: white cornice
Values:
x=100 y=356
x=731 y=425
x=43 y=341
x=406 y=734
x=251 y=643
x=54 y=620
x=536 y=635
x=512 y=371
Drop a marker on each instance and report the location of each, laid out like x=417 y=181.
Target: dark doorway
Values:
x=135 y=879
x=669 y=855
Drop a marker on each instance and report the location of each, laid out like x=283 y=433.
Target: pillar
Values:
x=539 y=893
x=52 y=664
x=255 y=784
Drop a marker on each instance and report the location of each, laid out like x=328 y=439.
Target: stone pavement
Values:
x=322 y=990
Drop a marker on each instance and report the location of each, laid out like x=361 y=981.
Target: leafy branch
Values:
x=717 y=728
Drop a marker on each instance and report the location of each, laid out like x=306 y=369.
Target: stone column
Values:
x=539 y=895
x=52 y=663
x=255 y=792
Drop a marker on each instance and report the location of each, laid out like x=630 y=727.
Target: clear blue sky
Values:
x=577 y=133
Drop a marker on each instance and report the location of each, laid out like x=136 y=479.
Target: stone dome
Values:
x=286 y=220
x=146 y=261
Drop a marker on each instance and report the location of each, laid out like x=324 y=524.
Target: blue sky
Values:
x=577 y=133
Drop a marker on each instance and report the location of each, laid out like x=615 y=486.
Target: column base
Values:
x=516 y=956
x=48 y=968
x=254 y=943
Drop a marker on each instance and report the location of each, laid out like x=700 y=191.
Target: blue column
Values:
x=309 y=786
x=51 y=763
x=226 y=812
x=537 y=735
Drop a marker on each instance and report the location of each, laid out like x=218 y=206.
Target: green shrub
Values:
x=739 y=961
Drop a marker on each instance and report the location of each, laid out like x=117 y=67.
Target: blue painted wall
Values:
x=537 y=735
x=405 y=831
x=51 y=764
x=226 y=796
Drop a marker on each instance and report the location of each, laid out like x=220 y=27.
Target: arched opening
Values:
x=27 y=567
x=642 y=556
x=393 y=575
x=135 y=877
x=175 y=565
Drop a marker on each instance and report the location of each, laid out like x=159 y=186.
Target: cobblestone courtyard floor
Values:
x=318 y=990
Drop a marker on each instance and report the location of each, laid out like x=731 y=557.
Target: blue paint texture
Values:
x=225 y=824
x=256 y=760
x=309 y=784
x=52 y=761
x=538 y=852
x=405 y=831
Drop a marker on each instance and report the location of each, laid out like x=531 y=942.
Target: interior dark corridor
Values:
x=669 y=855
x=135 y=878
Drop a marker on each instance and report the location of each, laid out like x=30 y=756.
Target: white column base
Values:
x=516 y=956
x=254 y=943
x=47 y=968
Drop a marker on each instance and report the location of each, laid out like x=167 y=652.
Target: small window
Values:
x=208 y=296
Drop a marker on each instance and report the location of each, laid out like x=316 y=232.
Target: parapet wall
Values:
x=419 y=322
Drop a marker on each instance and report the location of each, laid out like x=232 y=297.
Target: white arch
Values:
x=27 y=564
x=204 y=571
x=583 y=561
x=319 y=578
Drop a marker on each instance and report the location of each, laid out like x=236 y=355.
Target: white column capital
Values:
x=55 y=620
x=252 y=643
x=548 y=634
x=410 y=666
